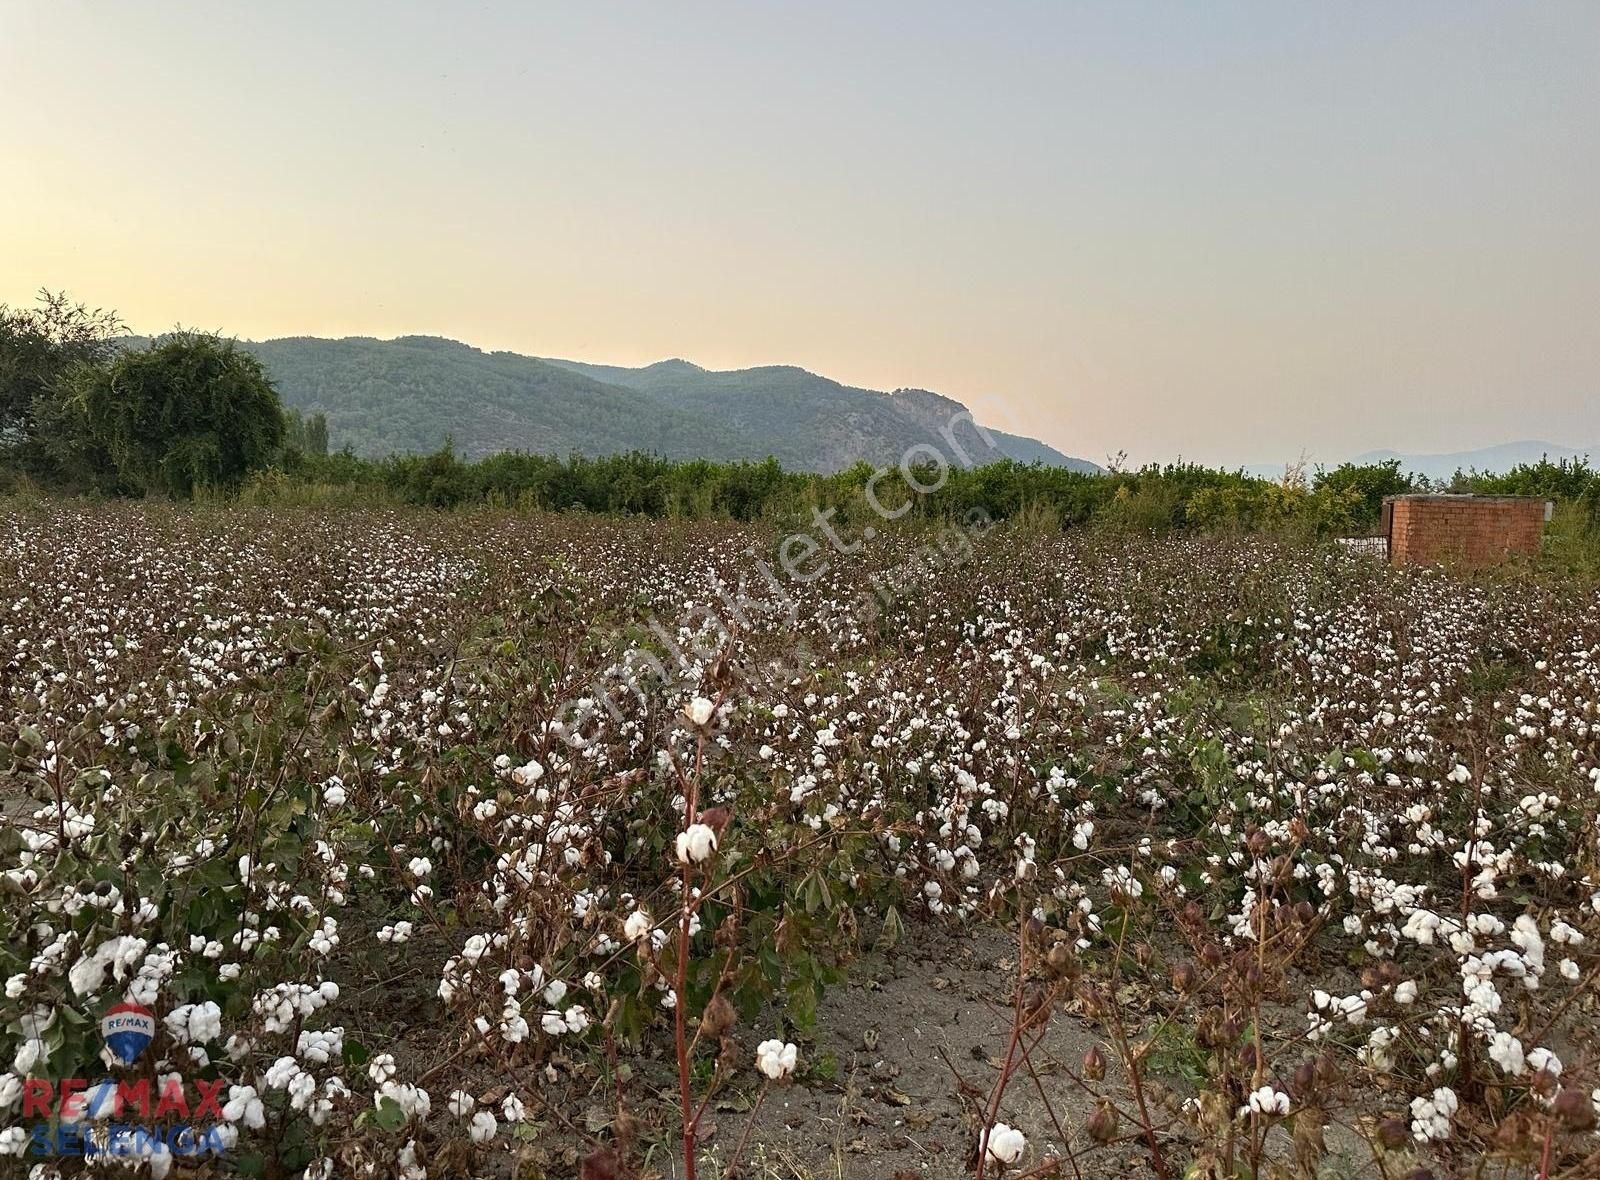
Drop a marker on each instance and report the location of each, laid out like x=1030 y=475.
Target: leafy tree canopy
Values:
x=38 y=347
x=192 y=410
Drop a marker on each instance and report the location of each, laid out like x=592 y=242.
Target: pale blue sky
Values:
x=1230 y=231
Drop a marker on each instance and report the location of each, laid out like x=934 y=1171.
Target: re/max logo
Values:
x=73 y=1099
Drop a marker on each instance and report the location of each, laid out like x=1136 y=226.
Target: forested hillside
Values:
x=410 y=394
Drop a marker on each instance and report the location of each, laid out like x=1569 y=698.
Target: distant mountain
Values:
x=409 y=394
x=1486 y=459
x=1443 y=465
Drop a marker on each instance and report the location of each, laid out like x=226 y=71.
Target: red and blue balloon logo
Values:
x=127 y=1029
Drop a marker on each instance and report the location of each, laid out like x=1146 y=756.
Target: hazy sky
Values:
x=1230 y=231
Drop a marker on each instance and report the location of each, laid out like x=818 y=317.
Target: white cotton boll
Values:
x=333 y=794
x=300 y=1089
x=637 y=926
x=1505 y=1051
x=177 y=1022
x=699 y=711
x=512 y=1109
x=159 y=1160
x=776 y=1059
x=87 y=976
x=406 y=1162
x=1405 y=992
x=553 y=1023
x=461 y=1104
x=696 y=843
x=1005 y=1144
x=205 y=1022
x=413 y=1101
x=484 y=1127
x=528 y=773
x=1542 y=1059
x=1431 y=1116
x=281 y=1072
x=1267 y=1101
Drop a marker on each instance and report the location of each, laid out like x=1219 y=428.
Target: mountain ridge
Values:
x=1441 y=465
x=410 y=393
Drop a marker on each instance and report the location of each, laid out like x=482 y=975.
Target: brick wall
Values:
x=1472 y=530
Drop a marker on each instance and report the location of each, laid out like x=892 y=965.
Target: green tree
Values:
x=305 y=434
x=191 y=411
x=38 y=347
x=1364 y=486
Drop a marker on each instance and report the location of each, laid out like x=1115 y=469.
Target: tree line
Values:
x=1339 y=501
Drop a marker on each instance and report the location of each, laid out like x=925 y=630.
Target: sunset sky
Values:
x=1233 y=232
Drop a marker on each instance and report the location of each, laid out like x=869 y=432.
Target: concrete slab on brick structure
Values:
x=1462 y=529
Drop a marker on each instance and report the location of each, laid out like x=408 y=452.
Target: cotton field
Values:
x=501 y=844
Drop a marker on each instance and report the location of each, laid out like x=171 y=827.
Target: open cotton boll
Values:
x=1266 y=1100
x=1005 y=1144
x=637 y=926
x=776 y=1059
x=696 y=843
x=483 y=1127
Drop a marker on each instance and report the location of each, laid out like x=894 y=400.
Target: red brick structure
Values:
x=1470 y=530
